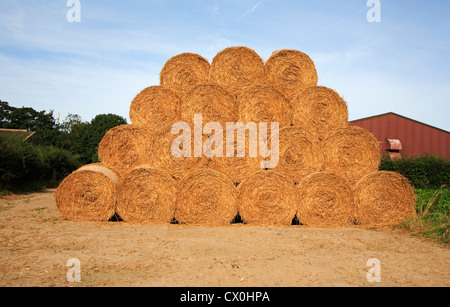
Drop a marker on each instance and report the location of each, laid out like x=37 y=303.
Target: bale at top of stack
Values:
x=183 y=72
x=236 y=69
x=290 y=71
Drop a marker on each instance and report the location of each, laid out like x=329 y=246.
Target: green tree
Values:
x=74 y=135
x=86 y=137
x=29 y=119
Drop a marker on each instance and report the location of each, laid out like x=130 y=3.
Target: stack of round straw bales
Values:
x=327 y=174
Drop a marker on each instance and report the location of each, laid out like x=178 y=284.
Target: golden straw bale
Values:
x=325 y=200
x=146 y=195
x=263 y=103
x=183 y=72
x=206 y=198
x=163 y=157
x=320 y=110
x=213 y=102
x=88 y=194
x=290 y=71
x=236 y=69
x=241 y=164
x=125 y=147
x=155 y=106
x=384 y=199
x=300 y=153
x=267 y=198
x=351 y=153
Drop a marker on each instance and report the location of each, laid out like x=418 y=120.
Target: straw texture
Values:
x=160 y=167
x=213 y=102
x=351 y=153
x=183 y=72
x=290 y=71
x=241 y=164
x=384 y=199
x=163 y=158
x=236 y=69
x=320 y=110
x=146 y=195
x=125 y=147
x=300 y=153
x=263 y=103
x=155 y=106
x=267 y=198
x=206 y=198
x=88 y=194
x=325 y=200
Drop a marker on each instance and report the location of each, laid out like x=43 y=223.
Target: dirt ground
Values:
x=36 y=244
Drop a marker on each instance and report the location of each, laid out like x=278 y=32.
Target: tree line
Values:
x=54 y=151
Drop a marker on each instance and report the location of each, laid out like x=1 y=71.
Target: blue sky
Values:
x=99 y=65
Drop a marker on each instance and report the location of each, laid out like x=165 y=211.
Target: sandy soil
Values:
x=36 y=243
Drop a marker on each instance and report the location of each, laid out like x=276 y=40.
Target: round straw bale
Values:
x=163 y=158
x=238 y=168
x=384 y=199
x=267 y=198
x=290 y=71
x=155 y=106
x=241 y=164
x=183 y=72
x=300 y=153
x=213 y=102
x=88 y=194
x=320 y=110
x=146 y=195
x=206 y=198
x=325 y=200
x=236 y=69
x=351 y=153
x=263 y=103
x=125 y=147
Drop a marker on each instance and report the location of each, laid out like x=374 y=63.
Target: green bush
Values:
x=58 y=163
x=433 y=215
x=24 y=165
x=424 y=172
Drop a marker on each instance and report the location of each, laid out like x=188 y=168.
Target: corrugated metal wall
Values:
x=416 y=138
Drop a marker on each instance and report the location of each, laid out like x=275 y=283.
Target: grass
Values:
x=433 y=215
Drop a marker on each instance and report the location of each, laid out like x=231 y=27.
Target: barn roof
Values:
x=395 y=114
x=9 y=132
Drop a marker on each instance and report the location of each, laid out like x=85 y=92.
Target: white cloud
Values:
x=250 y=11
x=75 y=87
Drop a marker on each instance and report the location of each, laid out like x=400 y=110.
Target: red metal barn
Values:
x=399 y=135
